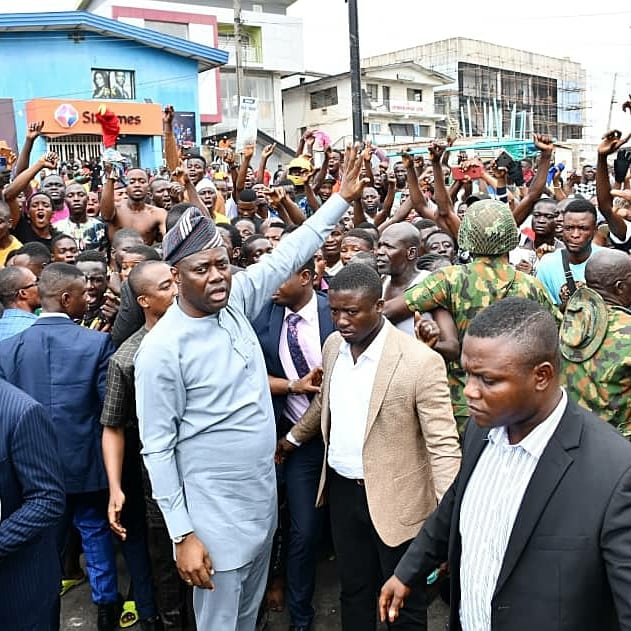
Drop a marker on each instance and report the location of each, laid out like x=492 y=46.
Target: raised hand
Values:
x=544 y=143
x=248 y=151
x=268 y=151
x=407 y=160
x=275 y=195
x=49 y=160
x=436 y=151
x=230 y=158
x=611 y=142
x=352 y=184
x=367 y=152
x=34 y=130
x=167 y=116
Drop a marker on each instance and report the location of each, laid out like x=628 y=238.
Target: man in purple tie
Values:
x=292 y=329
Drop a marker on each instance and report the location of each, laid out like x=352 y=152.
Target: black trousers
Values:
x=364 y=562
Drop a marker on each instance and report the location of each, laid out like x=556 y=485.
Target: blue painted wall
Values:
x=52 y=65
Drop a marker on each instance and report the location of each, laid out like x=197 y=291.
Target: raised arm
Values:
x=265 y=156
x=22 y=181
x=248 y=152
x=416 y=195
x=367 y=164
x=108 y=207
x=523 y=208
x=312 y=200
x=230 y=159
x=253 y=287
x=32 y=133
x=445 y=217
x=611 y=142
x=170 y=144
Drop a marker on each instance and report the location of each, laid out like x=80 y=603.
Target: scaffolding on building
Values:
x=501 y=92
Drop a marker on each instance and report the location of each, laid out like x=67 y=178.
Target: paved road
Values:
x=78 y=612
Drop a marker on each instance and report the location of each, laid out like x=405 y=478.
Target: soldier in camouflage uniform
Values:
x=489 y=232
x=595 y=340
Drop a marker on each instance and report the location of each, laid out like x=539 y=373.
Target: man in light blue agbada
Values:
x=205 y=412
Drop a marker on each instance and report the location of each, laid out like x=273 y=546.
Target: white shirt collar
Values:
x=375 y=348
x=54 y=314
x=309 y=312
x=539 y=437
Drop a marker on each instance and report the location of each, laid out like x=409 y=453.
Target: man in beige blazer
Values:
x=391 y=444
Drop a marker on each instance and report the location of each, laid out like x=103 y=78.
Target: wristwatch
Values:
x=291 y=386
x=180 y=538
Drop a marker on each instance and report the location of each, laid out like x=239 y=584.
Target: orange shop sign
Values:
x=79 y=117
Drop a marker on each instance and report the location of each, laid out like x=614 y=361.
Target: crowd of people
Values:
x=226 y=374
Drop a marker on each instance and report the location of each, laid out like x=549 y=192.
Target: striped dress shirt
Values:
x=490 y=505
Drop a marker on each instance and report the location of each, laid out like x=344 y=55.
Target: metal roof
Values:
x=82 y=21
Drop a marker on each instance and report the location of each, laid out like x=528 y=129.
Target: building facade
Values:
x=61 y=66
x=397 y=104
x=501 y=91
x=271 y=47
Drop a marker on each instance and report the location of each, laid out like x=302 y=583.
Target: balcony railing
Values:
x=249 y=54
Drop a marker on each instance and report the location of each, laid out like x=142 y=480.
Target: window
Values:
x=398 y=129
x=176 y=29
x=415 y=95
x=372 y=90
x=375 y=128
x=385 y=93
x=324 y=98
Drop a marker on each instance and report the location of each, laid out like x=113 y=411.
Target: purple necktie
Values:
x=297 y=356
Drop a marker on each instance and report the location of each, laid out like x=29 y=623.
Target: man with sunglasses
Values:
x=20 y=298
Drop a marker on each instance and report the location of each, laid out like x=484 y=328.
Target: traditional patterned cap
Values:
x=584 y=325
x=488 y=228
x=192 y=233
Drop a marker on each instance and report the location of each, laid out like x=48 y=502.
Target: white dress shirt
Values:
x=309 y=338
x=490 y=505
x=349 y=399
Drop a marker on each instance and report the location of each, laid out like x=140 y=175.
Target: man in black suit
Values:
x=292 y=329
x=537 y=525
x=32 y=499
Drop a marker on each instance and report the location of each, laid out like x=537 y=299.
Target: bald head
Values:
x=404 y=232
x=397 y=251
x=608 y=272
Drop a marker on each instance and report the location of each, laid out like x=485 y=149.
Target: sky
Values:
x=598 y=35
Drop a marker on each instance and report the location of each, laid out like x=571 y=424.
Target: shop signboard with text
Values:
x=79 y=117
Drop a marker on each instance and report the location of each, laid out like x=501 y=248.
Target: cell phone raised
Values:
x=474 y=172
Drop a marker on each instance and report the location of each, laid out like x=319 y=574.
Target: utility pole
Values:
x=237 y=49
x=356 y=81
x=613 y=100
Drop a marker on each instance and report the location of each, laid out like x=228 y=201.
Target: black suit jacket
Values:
x=32 y=499
x=568 y=560
x=268 y=326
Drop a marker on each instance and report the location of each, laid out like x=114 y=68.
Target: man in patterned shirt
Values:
x=153 y=285
x=88 y=232
x=489 y=232
x=596 y=340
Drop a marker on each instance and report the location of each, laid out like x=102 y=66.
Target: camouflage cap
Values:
x=488 y=229
x=584 y=325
